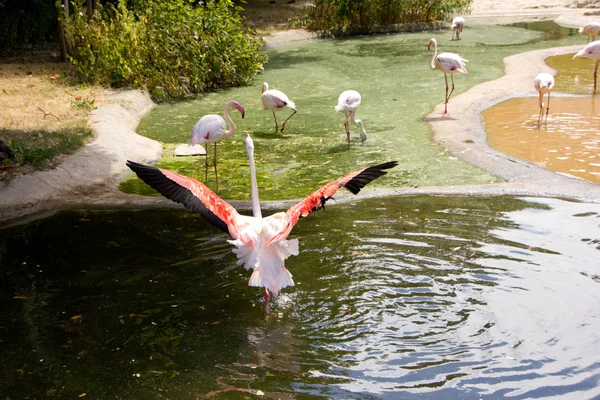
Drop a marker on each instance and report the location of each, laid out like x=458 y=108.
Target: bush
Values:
x=171 y=48
x=364 y=15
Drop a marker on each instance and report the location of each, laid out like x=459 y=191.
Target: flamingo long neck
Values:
x=363 y=133
x=432 y=63
x=254 y=187
x=232 y=128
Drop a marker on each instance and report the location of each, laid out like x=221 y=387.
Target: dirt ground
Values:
x=90 y=177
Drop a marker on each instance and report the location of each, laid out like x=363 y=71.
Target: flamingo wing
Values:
x=193 y=194
x=208 y=129
x=353 y=182
x=451 y=63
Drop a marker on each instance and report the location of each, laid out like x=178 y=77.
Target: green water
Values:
x=398 y=89
x=436 y=297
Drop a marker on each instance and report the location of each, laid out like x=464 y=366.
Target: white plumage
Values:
x=210 y=128
x=449 y=64
x=543 y=83
x=273 y=99
x=348 y=102
x=591 y=51
x=590 y=29
x=458 y=24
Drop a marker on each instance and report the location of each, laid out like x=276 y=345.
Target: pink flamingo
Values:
x=544 y=83
x=211 y=128
x=260 y=243
x=449 y=64
x=273 y=99
x=458 y=24
x=590 y=29
x=348 y=102
x=592 y=51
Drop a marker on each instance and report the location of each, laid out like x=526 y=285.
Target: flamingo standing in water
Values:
x=211 y=128
x=458 y=24
x=273 y=99
x=544 y=83
x=590 y=29
x=449 y=64
x=592 y=50
x=260 y=243
x=348 y=102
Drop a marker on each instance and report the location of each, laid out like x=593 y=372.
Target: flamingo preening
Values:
x=458 y=24
x=260 y=243
x=273 y=99
x=449 y=64
x=592 y=51
x=544 y=83
x=348 y=102
x=590 y=29
x=211 y=128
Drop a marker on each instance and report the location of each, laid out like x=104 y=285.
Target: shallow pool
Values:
x=441 y=297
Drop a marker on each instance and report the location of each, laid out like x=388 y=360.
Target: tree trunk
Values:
x=61 y=36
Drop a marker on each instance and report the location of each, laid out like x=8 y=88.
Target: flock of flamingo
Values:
x=261 y=243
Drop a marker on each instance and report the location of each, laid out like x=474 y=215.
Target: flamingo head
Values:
x=431 y=43
x=265 y=87
x=238 y=107
x=249 y=145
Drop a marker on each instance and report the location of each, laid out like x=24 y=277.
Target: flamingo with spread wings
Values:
x=260 y=243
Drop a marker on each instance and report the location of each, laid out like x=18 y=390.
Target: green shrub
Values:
x=171 y=48
x=341 y=15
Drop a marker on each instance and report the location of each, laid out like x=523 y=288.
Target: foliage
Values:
x=327 y=15
x=27 y=23
x=170 y=48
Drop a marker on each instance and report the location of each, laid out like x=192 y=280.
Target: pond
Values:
x=440 y=297
x=398 y=89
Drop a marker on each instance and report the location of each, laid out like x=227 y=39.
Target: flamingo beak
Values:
x=429 y=46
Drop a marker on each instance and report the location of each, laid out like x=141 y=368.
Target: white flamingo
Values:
x=211 y=128
x=260 y=243
x=592 y=51
x=590 y=29
x=273 y=99
x=458 y=24
x=449 y=64
x=348 y=102
x=544 y=83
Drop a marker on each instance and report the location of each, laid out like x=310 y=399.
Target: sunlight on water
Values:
x=569 y=142
x=441 y=297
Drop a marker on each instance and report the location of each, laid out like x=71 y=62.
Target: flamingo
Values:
x=592 y=51
x=260 y=243
x=273 y=99
x=449 y=64
x=348 y=102
x=590 y=29
x=544 y=83
x=212 y=127
x=458 y=24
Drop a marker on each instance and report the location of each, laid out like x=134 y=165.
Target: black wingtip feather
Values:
x=368 y=175
x=154 y=178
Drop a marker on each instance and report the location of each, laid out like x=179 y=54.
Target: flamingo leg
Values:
x=276 y=124
x=215 y=162
x=446 y=101
x=288 y=118
x=547 y=107
x=347 y=129
x=206 y=167
x=541 y=109
x=596 y=74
